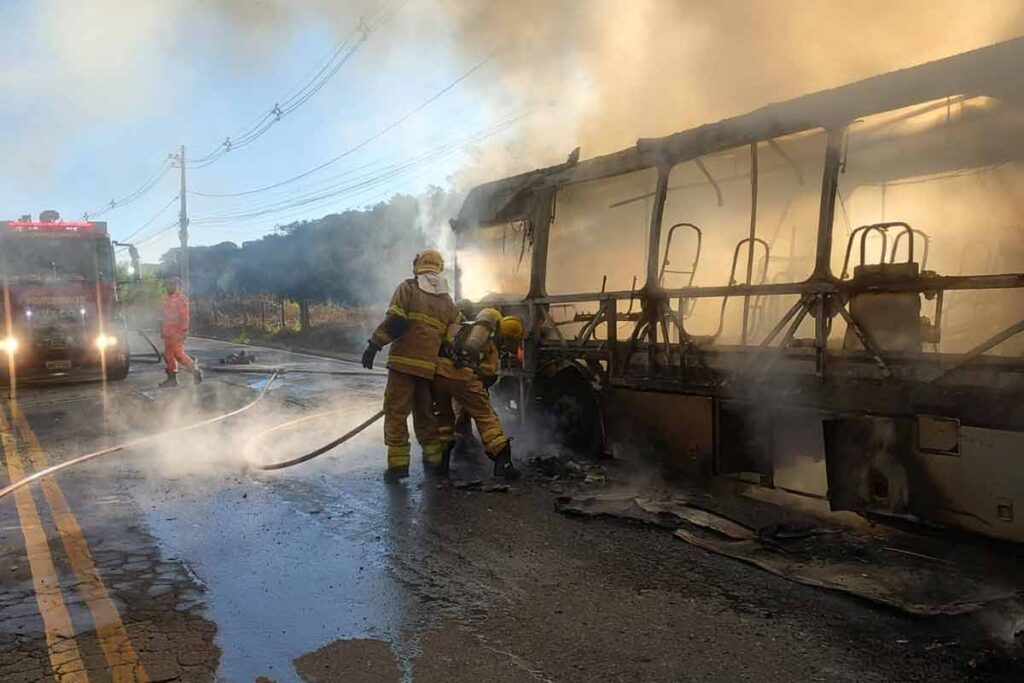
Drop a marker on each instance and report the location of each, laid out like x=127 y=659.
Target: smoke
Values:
x=607 y=72
x=596 y=73
x=207 y=456
x=599 y=73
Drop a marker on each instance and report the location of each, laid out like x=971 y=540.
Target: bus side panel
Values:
x=932 y=468
x=981 y=481
x=674 y=431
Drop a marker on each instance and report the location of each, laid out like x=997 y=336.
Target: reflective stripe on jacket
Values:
x=428 y=316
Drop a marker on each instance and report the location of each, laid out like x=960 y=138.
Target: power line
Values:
x=368 y=181
x=381 y=165
x=340 y=56
x=355 y=148
x=297 y=96
x=151 y=220
x=325 y=181
x=276 y=113
x=133 y=196
x=159 y=232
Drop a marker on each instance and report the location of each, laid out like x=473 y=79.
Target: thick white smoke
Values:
x=608 y=72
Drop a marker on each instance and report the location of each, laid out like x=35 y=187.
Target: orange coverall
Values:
x=173 y=330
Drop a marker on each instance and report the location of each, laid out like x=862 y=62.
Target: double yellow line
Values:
x=65 y=656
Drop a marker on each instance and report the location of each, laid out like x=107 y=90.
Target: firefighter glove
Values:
x=369 y=354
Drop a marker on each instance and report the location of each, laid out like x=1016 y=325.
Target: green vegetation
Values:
x=353 y=258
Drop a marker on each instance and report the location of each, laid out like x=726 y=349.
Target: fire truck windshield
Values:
x=51 y=258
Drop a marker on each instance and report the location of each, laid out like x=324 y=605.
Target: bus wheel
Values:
x=571 y=408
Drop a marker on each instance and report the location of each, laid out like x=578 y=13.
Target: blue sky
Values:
x=95 y=108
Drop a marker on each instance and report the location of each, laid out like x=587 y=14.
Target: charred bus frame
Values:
x=698 y=393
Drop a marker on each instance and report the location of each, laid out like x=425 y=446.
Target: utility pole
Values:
x=183 y=227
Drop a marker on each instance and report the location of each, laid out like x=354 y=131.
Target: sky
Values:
x=97 y=93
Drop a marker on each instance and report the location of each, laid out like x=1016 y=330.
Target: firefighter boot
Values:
x=171 y=381
x=446 y=457
x=439 y=469
x=503 y=467
x=393 y=475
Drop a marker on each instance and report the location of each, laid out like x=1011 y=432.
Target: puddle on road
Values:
x=291 y=563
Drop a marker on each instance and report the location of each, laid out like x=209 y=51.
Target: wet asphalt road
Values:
x=179 y=561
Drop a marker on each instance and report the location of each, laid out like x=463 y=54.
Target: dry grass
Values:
x=250 y=319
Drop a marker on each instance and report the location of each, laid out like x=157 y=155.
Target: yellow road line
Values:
x=65 y=658
x=121 y=657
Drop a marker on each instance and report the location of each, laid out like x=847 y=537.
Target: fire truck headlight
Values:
x=105 y=341
x=9 y=344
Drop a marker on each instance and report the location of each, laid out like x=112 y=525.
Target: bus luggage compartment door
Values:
x=674 y=431
x=869 y=463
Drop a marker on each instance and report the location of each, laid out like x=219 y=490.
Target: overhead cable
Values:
x=328 y=68
x=133 y=196
x=355 y=148
x=151 y=220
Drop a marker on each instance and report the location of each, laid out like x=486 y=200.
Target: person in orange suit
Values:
x=174 y=329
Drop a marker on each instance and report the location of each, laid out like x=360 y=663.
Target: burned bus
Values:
x=818 y=302
x=61 y=316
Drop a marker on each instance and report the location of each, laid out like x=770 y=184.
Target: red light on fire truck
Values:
x=57 y=226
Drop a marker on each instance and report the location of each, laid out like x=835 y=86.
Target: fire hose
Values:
x=305 y=457
x=274 y=374
x=156 y=351
x=53 y=469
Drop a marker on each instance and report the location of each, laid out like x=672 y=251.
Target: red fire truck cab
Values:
x=60 y=317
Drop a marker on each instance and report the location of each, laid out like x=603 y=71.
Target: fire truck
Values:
x=61 y=318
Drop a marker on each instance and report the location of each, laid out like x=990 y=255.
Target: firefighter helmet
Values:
x=428 y=261
x=511 y=328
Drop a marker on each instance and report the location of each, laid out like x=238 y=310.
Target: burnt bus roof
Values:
x=993 y=71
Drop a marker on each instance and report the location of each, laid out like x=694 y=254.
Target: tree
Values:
x=353 y=258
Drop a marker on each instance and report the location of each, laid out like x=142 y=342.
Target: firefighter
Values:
x=465 y=385
x=417 y=317
x=174 y=330
x=508 y=335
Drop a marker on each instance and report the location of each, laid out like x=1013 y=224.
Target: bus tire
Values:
x=571 y=407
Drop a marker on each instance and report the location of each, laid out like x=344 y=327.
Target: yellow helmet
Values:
x=511 y=328
x=428 y=261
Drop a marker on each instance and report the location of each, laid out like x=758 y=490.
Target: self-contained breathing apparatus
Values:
x=467 y=345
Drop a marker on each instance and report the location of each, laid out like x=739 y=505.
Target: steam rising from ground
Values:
x=207 y=455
